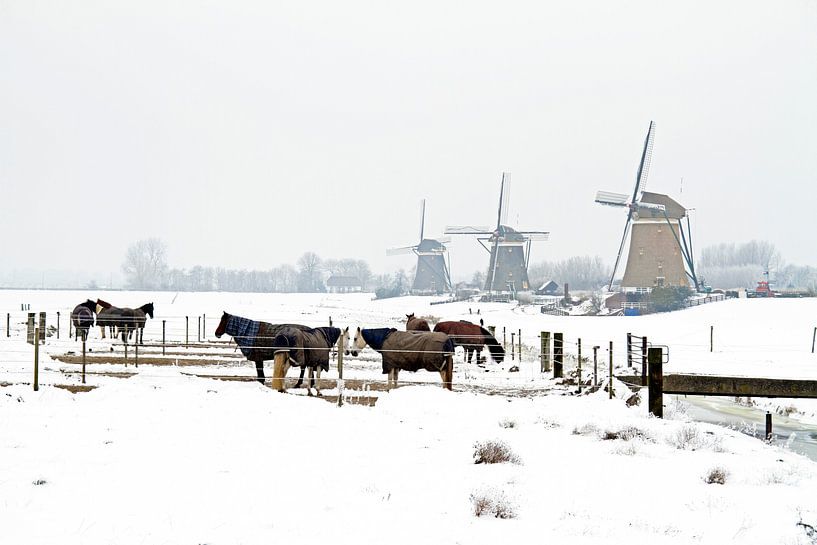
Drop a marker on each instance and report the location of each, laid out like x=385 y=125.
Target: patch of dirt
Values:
x=114 y=374
x=114 y=359
x=75 y=388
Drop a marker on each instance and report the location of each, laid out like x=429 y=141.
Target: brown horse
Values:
x=416 y=324
x=408 y=351
x=472 y=338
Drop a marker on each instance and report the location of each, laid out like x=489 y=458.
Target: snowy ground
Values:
x=167 y=457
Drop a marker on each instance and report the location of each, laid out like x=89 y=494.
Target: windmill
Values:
x=509 y=248
x=431 y=274
x=660 y=248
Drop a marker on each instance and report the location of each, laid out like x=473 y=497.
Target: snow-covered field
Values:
x=168 y=457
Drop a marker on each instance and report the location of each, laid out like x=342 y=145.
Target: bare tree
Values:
x=145 y=263
x=309 y=273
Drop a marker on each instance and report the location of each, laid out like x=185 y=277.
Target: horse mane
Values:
x=496 y=350
x=376 y=337
x=103 y=304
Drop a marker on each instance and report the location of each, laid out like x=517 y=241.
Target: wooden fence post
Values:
x=8 y=327
x=43 y=330
x=36 y=358
x=513 y=346
x=126 y=354
x=629 y=350
x=136 y=354
x=644 y=361
x=596 y=365
x=768 y=427
x=340 y=371
x=204 y=327
x=58 y=324
x=186 y=331
x=610 y=380
x=198 y=328
x=519 y=338
x=580 y=366
x=544 y=341
x=70 y=325
x=504 y=340
x=655 y=356
x=558 y=355
x=164 y=322
x=711 y=338
x=813 y=337
x=83 y=359
x=30 y=328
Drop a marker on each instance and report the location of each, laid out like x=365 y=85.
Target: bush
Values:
x=665 y=299
x=492 y=502
x=494 y=452
x=716 y=475
x=507 y=423
x=687 y=438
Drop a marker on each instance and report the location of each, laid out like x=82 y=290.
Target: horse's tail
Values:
x=496 y=350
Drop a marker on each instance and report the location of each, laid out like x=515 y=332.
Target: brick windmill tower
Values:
x=431 y=274
x=509 y=248
x=660 y=247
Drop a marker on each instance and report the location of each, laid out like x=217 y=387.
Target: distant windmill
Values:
x=431 y=274
x=660 y=249
x=509 y=248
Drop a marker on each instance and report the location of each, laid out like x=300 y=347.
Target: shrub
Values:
x=686 y=437
x=494 y=452
x=491 y=502
x=716 y=475
x=665 y=299
x=507 y=423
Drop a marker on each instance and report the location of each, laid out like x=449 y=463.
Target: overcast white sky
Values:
x=245 y=133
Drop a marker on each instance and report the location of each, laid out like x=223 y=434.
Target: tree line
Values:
x=145 y=267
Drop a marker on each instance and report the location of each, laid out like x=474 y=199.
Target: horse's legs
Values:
x=310 y=381
x=259 y=367
x=300 y=378
x=102 y=330
x=448 y=377
x=317 y=383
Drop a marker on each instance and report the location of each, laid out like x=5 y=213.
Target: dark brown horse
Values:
x=256 y=340
x=108 y=316
x=416 y=324
x=83 y=319
x=472 y=338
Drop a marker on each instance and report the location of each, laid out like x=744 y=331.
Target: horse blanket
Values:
x=256 y=340
x=308 y=347
x=82 y=317
x=410 y=350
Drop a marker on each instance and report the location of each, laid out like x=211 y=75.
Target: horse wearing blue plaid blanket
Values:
x=256 y=340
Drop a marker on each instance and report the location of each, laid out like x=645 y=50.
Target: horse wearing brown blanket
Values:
x=409 y=351
x=255 y=339
x=307 y=348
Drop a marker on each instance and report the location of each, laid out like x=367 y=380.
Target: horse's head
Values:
x=90 y=305
x=359 y=343
x=409 y=317
x=345 y=342
x=222 y=325
x=148 y=309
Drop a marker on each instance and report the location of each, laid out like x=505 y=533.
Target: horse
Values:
x=139 y=320
x=416 y=324
x=254 y=339
x=83 y=319
x=472 y=338
x=108 y=316
x=308 y=348
x=408 y=350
